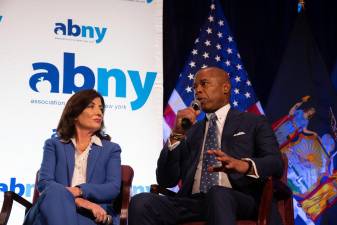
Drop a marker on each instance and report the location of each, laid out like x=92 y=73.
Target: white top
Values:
x=81 y=161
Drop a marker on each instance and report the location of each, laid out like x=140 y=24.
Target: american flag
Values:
x=215 y=46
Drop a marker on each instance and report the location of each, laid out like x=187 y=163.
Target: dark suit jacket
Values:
x=258 y=143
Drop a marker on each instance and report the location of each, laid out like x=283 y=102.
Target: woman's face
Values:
x=91 y=117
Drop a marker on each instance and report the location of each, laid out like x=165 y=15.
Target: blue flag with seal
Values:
x=303 y=105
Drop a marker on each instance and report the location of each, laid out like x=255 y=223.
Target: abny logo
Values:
x=71 y=29
x=71 y=73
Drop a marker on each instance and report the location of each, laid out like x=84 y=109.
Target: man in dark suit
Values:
x=222 y=162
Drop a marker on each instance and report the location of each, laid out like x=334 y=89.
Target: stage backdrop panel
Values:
x=51 y=49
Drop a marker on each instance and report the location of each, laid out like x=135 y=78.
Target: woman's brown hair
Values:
x=74 y=107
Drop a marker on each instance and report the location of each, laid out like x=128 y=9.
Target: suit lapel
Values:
x=70 y=155
x=92 y=159
x=231 y=123
x=200 y=131
x=199 y=137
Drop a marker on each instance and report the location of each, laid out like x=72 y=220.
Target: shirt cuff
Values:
x=253 y=173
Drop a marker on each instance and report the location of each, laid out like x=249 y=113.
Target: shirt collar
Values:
x=221 y=113
x=94 y=140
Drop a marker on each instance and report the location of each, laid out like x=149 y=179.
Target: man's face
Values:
x=211 y=88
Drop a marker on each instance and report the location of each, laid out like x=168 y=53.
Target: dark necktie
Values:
x=209 y=179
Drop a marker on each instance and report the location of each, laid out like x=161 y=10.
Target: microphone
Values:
x=186 y=123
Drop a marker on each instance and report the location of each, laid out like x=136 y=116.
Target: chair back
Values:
x=285 y=205
x=121 y=203
x=36 y=192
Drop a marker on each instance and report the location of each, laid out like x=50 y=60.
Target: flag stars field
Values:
x=192 y=64
x=235 y=103
x=210 y=18
x=188 y=89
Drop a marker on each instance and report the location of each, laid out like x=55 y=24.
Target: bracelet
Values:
x=177 y=136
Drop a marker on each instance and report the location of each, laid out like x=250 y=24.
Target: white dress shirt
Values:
x=81 y=161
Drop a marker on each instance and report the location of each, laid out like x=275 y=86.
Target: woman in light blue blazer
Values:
x=80 y=174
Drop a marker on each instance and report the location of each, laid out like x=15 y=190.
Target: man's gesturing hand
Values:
x=229 y=164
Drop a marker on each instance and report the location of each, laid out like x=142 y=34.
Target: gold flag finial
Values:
x=301 y=5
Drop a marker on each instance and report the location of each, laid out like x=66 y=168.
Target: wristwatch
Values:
x=81 y=192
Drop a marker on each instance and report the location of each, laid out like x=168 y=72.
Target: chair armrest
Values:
x=7 y=204
x=157 y=189
x=281 y=190
x=127 y=177
x=265 y=204
x=285 y=197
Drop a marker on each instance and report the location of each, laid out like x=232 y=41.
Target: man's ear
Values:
x=226 y=88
